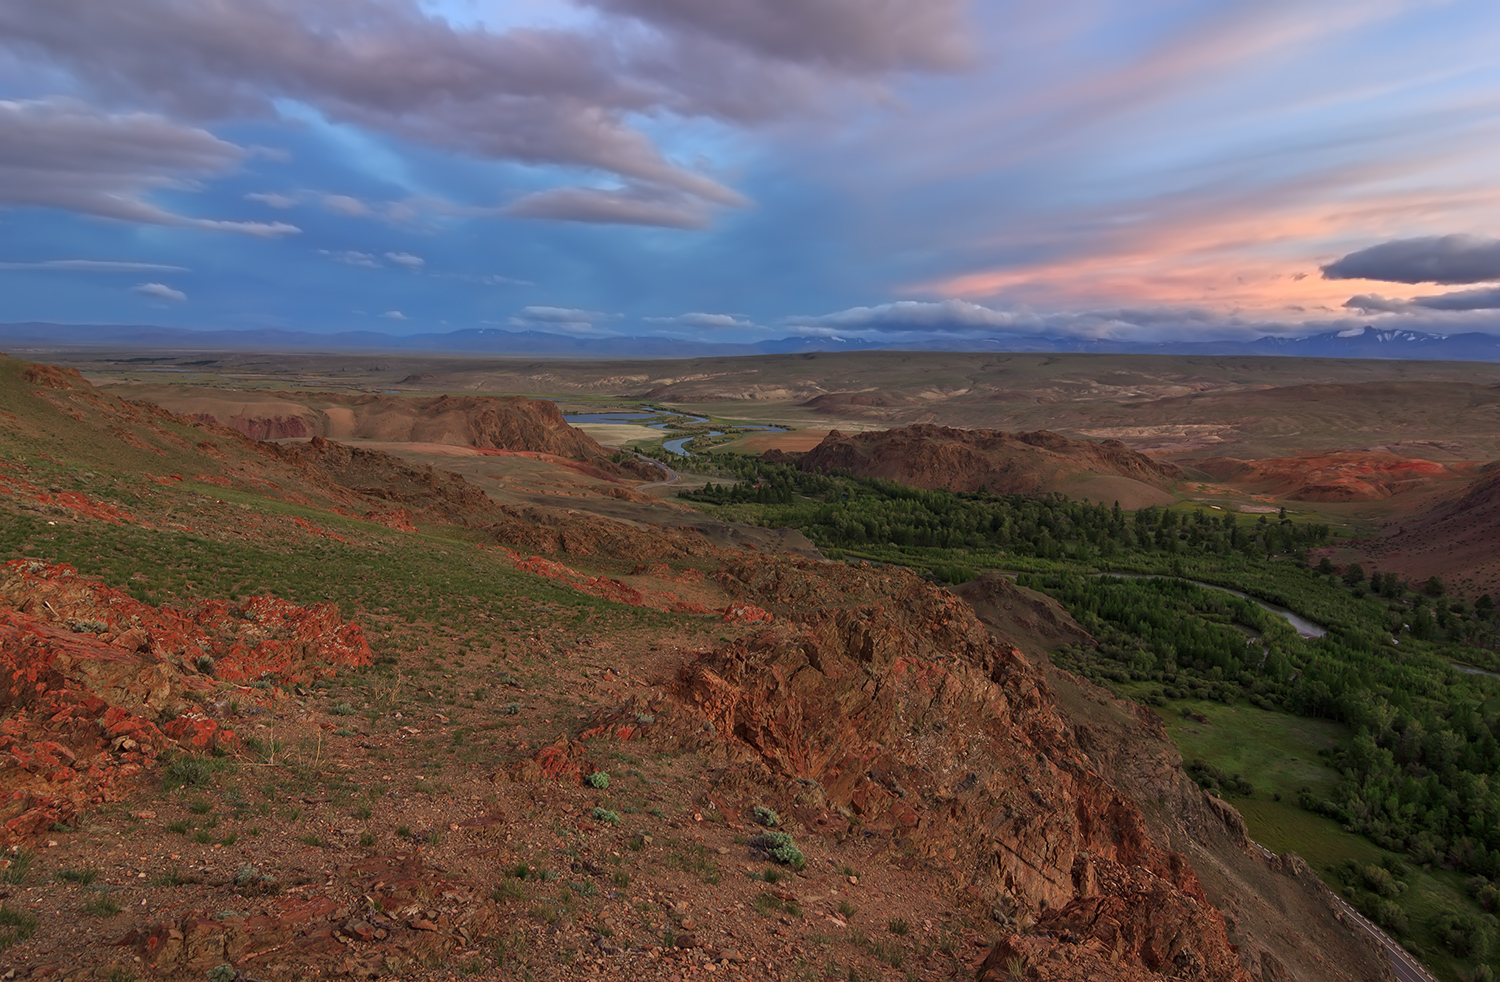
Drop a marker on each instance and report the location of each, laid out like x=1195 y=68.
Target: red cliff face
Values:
x=897 y=714
x=927 y=456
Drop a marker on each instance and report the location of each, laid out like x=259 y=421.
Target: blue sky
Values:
x=753 y=168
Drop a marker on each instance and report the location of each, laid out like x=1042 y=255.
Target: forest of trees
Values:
x=863 y=513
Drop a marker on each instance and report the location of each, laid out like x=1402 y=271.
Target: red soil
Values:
x=1352 y=475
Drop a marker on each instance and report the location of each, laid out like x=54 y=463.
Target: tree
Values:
x=1325 y=566
x=1434 y=587
x=1354 y=574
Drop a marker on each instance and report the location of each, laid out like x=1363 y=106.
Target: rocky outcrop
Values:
x=927 y=456
x=94 y=685
x=267 y=427
x=895 y=713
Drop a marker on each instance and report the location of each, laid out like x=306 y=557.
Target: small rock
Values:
x=686 y=941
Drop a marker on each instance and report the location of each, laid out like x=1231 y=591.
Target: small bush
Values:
x=15 y=926
x=767 y=817
x=16 y=866
x=204 y=664
x=102 y=906
x=82 y=876
x=250 y=881
x=189 y=771
x=598 y=779
x=780 y=847
x=508 y=890
x=342 y=709
x=605 y=815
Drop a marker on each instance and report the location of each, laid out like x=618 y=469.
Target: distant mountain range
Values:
x=1369 y=342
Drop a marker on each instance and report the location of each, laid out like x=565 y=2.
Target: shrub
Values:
x=16 y=866
x=251 y=881
x=780 y=847
x=188 y=771
x=15 y=926
x=767 y=817
x=605 y=815
x=598 y=779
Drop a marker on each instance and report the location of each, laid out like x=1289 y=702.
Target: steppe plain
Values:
x=426 y=812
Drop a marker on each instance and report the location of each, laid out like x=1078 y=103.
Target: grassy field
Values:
x=1279 y=755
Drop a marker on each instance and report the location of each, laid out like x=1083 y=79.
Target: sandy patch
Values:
x=620 y=434
x=340 y=422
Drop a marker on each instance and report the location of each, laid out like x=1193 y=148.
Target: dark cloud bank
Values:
x=1447 y=260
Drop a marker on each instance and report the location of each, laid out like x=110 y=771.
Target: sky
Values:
x=751 y=169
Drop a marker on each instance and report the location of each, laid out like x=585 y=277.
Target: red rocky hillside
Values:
x=928 y=456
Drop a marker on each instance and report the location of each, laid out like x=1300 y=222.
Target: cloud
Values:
x=959 y=316
x=406 y=259
x=272 y=199
x=159 y=290
x=704 y=320
x=849 y=36
x=528 y=95
x=95 y=266
x=622 y=206
x=343 y=204
x=351 y=258
x=484 y=279
x=565 y=319
x=1487 y=298
x=61 y=153
x=394 y=315
x=562 y=315
x=1374 y=303
x=1444 y=259
x=915 y=320
x=536 y=96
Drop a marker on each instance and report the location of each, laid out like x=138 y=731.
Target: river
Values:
x=1301 y=625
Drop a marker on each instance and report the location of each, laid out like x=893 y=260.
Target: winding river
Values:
x=1302 y=626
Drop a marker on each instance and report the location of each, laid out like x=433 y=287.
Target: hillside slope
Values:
x=487 y=762
x=513 y=423
x=1457 y=541
x=927 y=456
